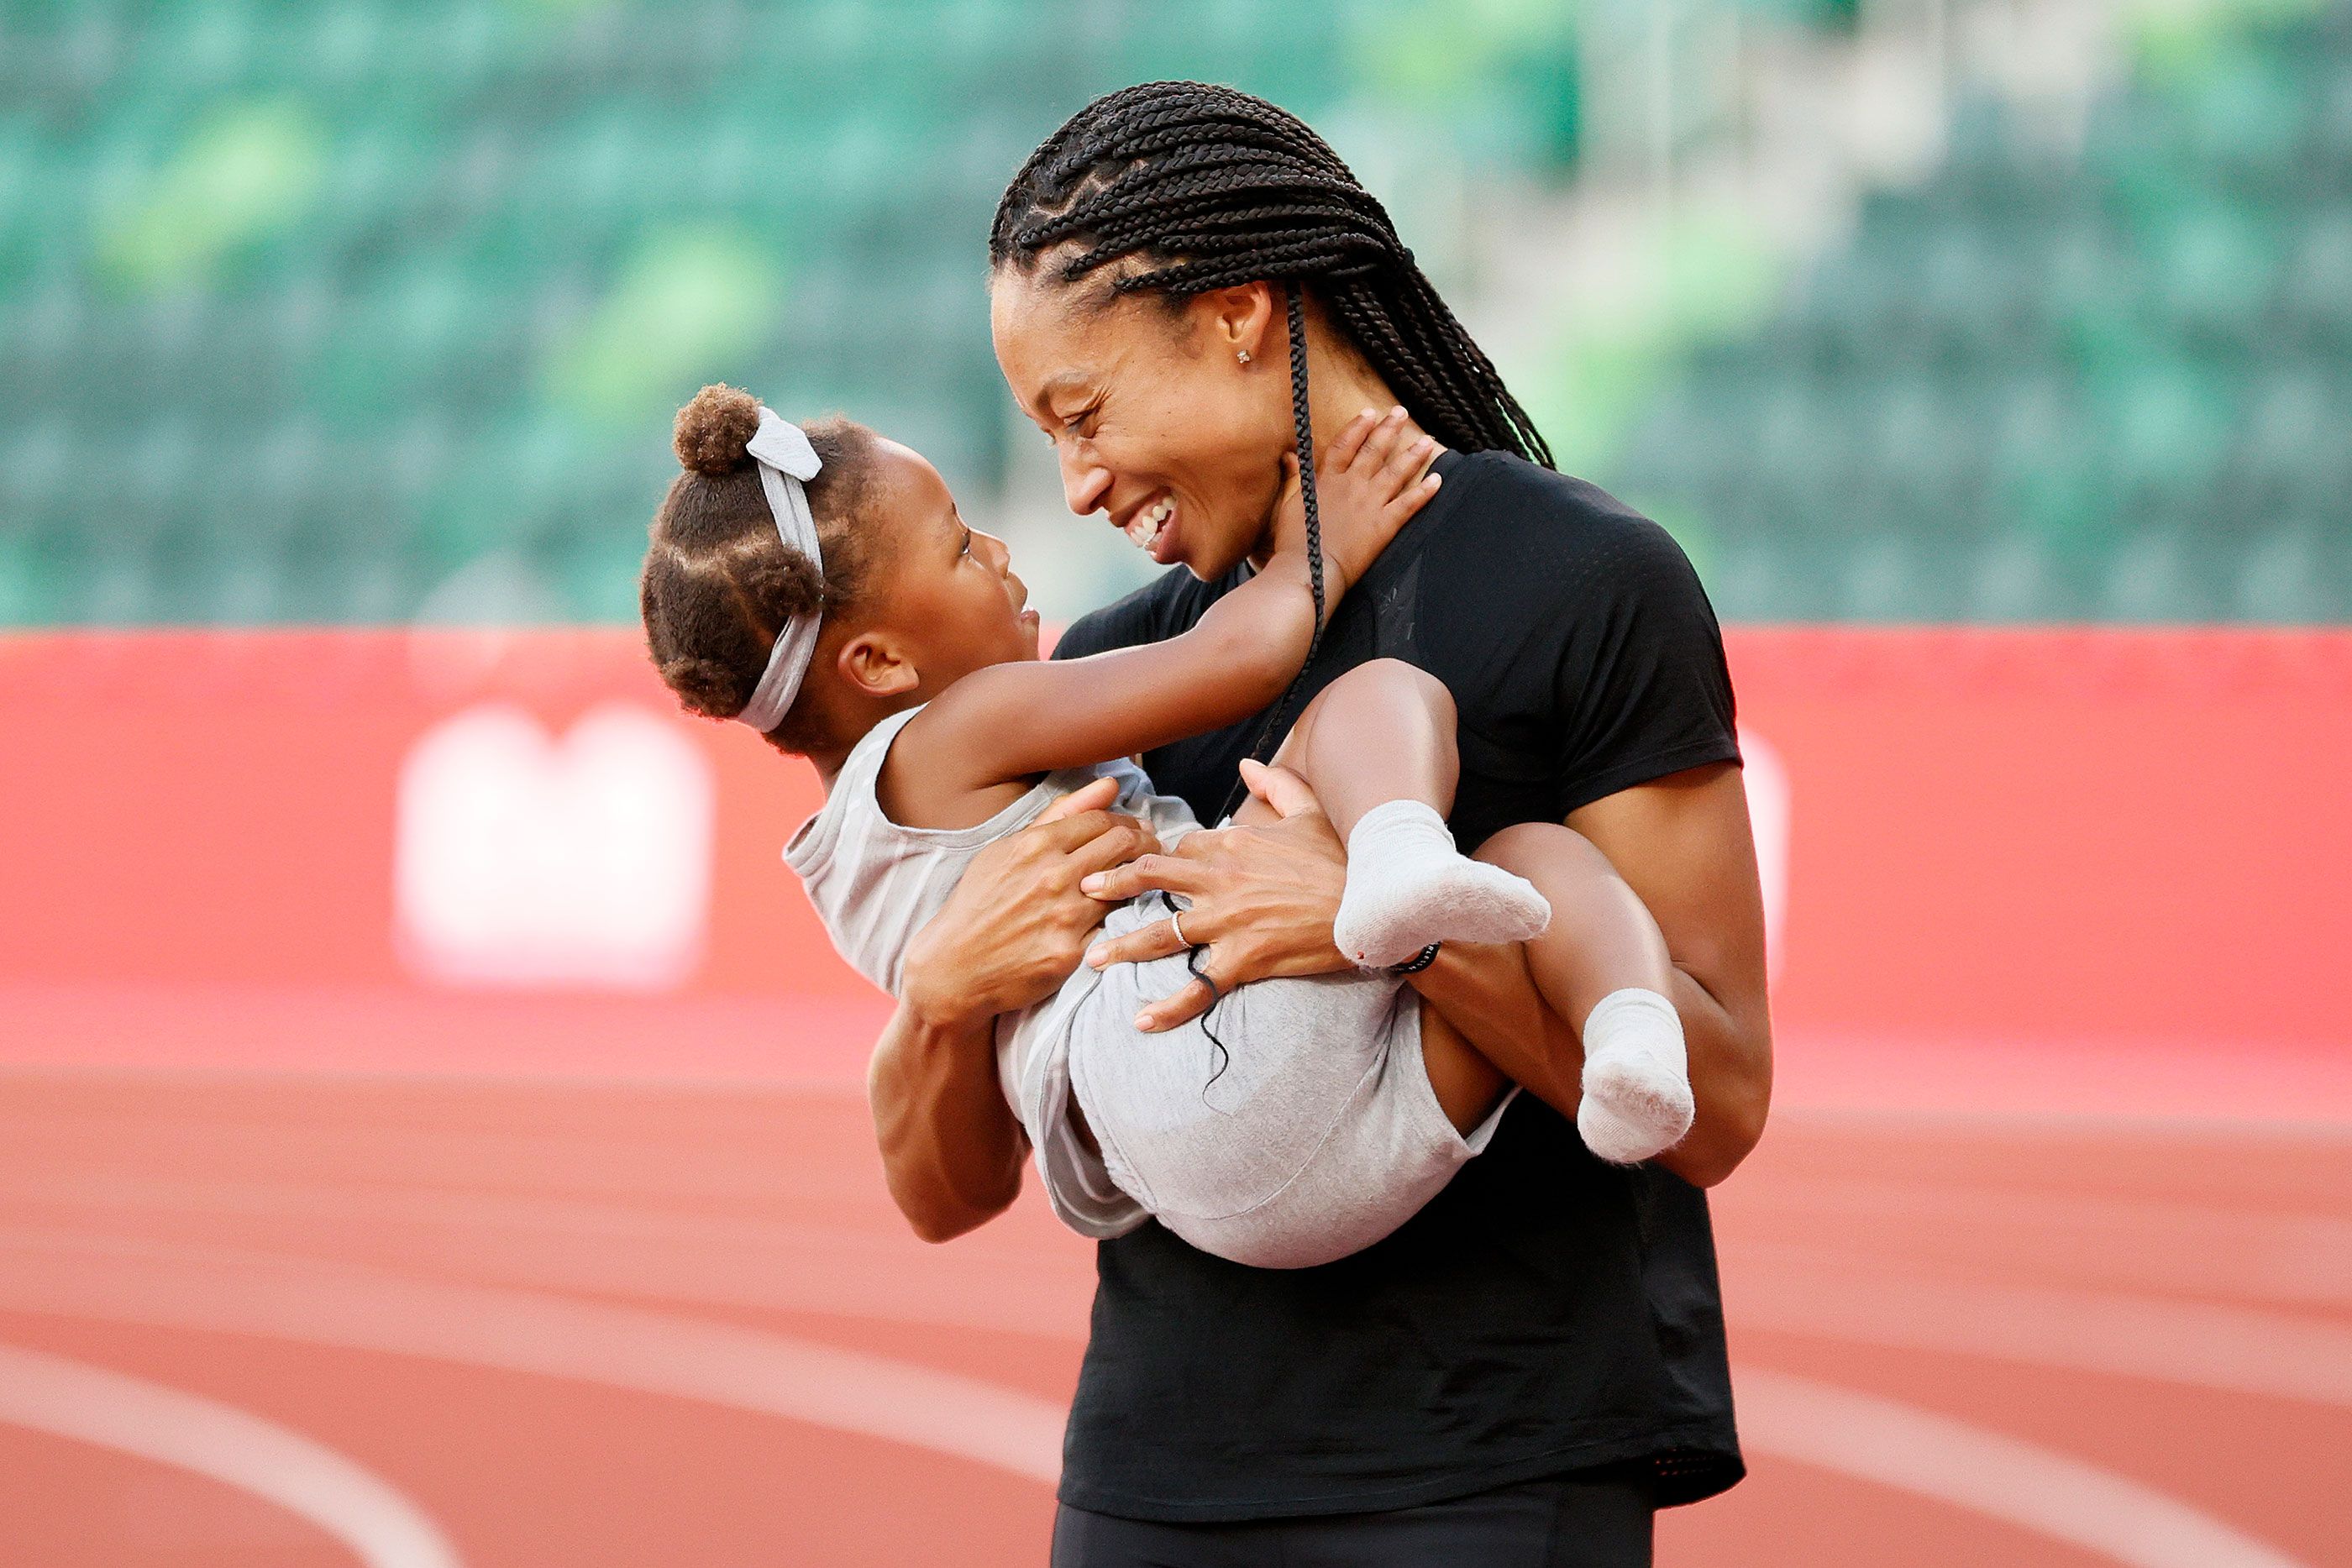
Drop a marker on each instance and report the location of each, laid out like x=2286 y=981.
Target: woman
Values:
x=1187 y=284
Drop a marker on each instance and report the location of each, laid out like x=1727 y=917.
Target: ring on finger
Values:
x=1176 y=924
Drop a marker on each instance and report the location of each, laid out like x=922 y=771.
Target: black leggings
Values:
x=1593 y=1519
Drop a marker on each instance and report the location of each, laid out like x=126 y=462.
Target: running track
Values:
x=272 y=1318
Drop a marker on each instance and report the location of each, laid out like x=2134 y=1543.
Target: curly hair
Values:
x=719 y=582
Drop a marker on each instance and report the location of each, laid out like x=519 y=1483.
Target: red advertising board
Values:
x=2010 y=839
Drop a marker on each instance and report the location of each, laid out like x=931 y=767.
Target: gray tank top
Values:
x=875 y=883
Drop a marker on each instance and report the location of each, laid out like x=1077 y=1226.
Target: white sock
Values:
x=1408 y=886
x=1637 y=1093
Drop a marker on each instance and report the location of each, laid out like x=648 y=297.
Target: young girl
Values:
x=818 y=584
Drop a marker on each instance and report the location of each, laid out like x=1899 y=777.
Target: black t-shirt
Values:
x=1545 y=1311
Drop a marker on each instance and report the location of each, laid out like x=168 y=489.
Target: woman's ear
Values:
x=873 y=663
x=1240 y=321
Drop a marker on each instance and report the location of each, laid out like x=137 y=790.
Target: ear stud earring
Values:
x=1242 y=355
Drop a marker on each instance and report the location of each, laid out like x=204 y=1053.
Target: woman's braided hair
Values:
x=1213 y=188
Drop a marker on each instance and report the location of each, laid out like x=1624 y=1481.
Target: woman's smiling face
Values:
x=1158 y=422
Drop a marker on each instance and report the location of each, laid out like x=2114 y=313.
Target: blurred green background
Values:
x=373 y=310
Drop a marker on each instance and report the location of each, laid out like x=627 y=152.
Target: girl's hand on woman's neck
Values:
x=1372 y=479
x=1340 y=386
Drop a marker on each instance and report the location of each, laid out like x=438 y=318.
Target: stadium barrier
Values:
x=2007 y=838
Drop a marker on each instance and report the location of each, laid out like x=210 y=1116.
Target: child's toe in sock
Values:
x=1408 y=886
x=1621 y=1139
x=1637 y=1093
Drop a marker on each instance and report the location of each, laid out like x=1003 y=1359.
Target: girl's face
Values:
x=1158 y=422
x=949 y=602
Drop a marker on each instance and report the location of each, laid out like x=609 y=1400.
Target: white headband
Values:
x=786 y=461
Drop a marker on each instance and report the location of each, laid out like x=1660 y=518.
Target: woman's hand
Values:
x=1016 y=925
x=1262 y=897
x=1368 y=482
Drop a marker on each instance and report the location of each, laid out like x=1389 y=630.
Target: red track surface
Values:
x=394 y=1269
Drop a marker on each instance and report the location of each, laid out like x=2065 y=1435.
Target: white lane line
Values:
x=2239 y=1350
x=1856 y=1434
x=1040 y=1288
x=2152 y=1243
x=2051 y=1494
x=109 y=1410
x=237 y=1291
x=1829 y=1293
x=2130 y=1128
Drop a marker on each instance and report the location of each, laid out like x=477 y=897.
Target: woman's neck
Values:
x=1340 y=385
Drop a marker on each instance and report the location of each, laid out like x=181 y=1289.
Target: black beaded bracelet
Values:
x=1414 y=966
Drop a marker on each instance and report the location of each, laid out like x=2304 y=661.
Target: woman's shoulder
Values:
x=1516 y=521
x=1505 y=490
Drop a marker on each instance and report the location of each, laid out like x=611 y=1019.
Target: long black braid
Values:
x=1303 y=433
x=1211 y=188
x=1277 y=716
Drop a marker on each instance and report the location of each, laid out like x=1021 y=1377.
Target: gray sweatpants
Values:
x=1311 y=1135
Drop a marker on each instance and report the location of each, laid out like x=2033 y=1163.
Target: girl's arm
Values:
x=1012 y=721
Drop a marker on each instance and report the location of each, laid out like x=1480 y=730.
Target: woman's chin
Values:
x=1214 y=564
x=1208 y=559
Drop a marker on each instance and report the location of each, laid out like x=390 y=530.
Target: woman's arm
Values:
x=1017 y=720
x=1263 y=900
x=951 y=1148
x=1008 y=937
x=1683 y=844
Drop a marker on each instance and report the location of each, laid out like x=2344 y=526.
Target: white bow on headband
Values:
x=786 y=461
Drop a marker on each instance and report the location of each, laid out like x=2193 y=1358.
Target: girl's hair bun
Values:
x=715 y=428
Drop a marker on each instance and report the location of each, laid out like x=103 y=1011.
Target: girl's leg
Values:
x=1466 y=1084
x=1376 y=746
x=1603 y=965
x=1383 y=732
x=1382 y=737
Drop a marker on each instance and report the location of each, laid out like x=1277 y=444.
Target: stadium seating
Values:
x=366 y=309
x=362 y=311
x=2111 y=381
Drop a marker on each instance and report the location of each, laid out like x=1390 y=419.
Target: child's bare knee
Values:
x=1528 y=849
x=1401 y=680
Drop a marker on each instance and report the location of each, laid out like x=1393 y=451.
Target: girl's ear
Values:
x=874 y=663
